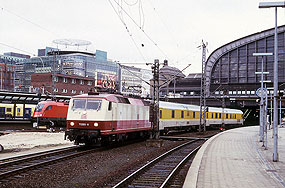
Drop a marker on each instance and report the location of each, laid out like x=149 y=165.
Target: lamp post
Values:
x=265 y=113
x=275 y=110
x=261 y=117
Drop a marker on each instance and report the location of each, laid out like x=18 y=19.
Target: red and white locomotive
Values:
x=96 y=118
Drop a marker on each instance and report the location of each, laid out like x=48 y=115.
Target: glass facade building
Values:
x=71 y=63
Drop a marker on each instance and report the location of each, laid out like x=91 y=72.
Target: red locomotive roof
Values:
x=53 y=103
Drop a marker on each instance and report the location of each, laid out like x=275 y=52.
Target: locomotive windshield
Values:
x=39 y=107
x=87 y=104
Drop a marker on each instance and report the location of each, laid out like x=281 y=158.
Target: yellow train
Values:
x=16 y=111
x=175 y=115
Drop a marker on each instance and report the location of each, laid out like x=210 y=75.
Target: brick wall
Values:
x=65 y=84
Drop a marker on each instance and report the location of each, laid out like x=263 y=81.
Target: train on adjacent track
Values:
x=50 y=114
x=97 y=118
x=10 y=111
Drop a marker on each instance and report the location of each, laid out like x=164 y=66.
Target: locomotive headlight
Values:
x=41 y=114
x=72 y=123
x=96 y=124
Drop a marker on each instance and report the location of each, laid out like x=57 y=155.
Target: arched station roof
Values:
x=218 y=53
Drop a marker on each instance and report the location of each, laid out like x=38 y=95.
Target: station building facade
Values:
x=230 y=69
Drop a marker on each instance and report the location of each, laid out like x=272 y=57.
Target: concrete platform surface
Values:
x=236 y=158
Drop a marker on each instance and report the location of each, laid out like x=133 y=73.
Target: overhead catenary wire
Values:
x=141 y=29
x=17 y=49
x=27 y=20
x=128 y=31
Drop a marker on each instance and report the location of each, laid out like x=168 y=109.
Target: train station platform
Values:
x=236 y=158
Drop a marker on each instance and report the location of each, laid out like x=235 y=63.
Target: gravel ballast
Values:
x=95 y=169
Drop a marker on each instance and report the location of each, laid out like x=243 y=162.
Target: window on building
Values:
x=64 y=90
x=81 y=82
x=81 y=92
x=55 y=90
x=73 y=91
x=73 y=81
x=89 y=83
x=56 y=79
x=65 y=80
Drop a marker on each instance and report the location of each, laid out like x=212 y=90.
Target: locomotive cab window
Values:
x=93 y=104
x=49 y=108
x=39 y=107
x=79 y=103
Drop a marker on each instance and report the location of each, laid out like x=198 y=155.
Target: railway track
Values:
x=11 y=167
x=162 y=170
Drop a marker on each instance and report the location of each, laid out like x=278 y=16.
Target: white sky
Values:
x=177 y=27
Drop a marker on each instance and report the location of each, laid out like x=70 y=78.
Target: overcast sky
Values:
x=172 y=29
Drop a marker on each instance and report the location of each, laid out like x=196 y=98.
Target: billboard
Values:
x=106 y=80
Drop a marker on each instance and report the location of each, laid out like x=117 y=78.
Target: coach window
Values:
x=220 y=115
x=188 y=113
x=207 y=115
x=110 y=106
x=212 y=115
x=216 y=115
x=182 y=114
x=193 y=114
x=227 y=116
x=173 y=114
x=160 y=113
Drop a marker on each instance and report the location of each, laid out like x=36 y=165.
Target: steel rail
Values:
x=28 y=156
x=179 y=166
x=131 y=176
x=44 y=163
